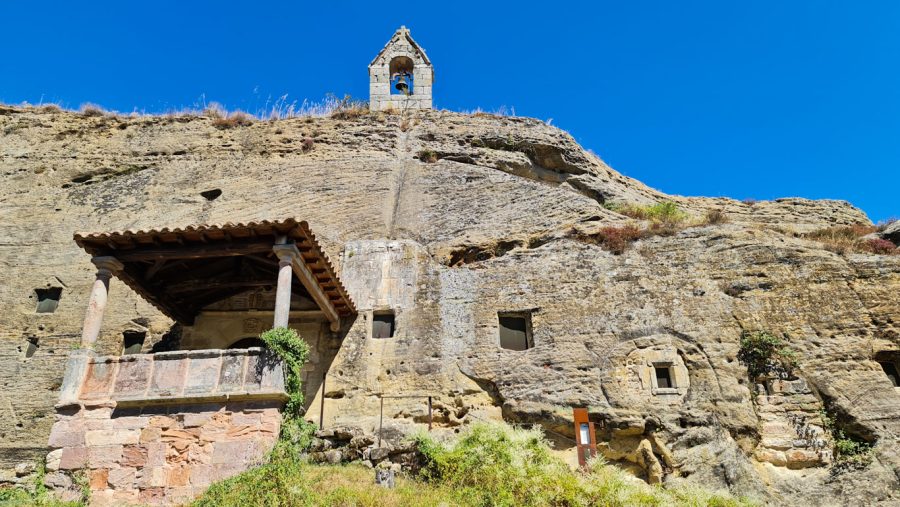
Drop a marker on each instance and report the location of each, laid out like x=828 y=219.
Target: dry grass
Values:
x=349 y=108
x=89 y=110
x=307 y=144
x=843 y=239
x=714 y=217
x=235 y=119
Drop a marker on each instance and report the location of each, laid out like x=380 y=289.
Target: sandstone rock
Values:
x=447 y=245
x=23 y=469
x=53 y=459
x=333 y=456
x=892 y=233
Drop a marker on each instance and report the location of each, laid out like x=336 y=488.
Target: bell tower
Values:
x=401 y=76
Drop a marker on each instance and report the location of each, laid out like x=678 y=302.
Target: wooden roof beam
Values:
x=304 y=274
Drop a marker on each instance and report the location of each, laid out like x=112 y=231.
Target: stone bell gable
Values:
x=401 y=76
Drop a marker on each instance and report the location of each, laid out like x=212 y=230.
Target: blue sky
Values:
x=743 y=99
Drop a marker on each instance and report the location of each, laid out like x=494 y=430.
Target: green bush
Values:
x=296 y=433
x=499 y=465
x=764 y=353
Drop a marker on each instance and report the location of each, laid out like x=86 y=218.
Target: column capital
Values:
x=285 y=253
x=107 y=265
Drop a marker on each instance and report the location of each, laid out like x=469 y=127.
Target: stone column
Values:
x=93 y=318
x=283 y=292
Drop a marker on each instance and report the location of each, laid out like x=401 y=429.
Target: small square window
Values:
x=515 y=331
x=47 y=299
x=890 y=369
x=664 y=377
x=383 y=325
x=134 y=341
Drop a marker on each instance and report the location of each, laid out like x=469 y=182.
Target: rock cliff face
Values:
x=448 y=220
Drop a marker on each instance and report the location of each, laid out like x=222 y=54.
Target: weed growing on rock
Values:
x=428 y=156
x=849 y=453
x=766 y=354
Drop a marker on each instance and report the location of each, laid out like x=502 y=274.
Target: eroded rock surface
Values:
x=449 y=244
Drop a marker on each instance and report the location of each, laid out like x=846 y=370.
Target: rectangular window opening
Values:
x=133 y=342
x=664 y=377
x=383 y=325
x=890 y=369
x=515 y=331
x=47 y=299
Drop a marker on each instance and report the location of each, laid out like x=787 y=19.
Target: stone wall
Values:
x=158 y=429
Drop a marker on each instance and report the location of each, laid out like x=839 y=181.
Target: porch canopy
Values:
x=181 y=271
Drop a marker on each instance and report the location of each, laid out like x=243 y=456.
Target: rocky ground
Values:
x=486 y=207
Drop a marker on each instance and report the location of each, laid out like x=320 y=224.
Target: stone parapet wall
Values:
x=159 y=429
x=182 y=375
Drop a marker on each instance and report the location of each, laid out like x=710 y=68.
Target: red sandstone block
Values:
x=68 y=433
x=129 y=423
x=133 y=377
x=73 y=458
x=195 y=420
x=98 y=412
x=251 y=419
x=232 y=452
x=162 y=421
x=203 y=374
x=152 y=496
x=98 y=478
x=134 y=456
x=122 y=478
x=178 y=476
x=111 y=437
x=200 y=453
x=98 y=382
x=149 y=435
x=168 y=377
x=156 y=454
x=104 y=456
x=153 y=477
x=179 y=495
x=201 y=475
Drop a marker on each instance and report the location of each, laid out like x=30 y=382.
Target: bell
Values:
x=401 y=86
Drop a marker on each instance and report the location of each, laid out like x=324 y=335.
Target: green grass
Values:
x=487 y=465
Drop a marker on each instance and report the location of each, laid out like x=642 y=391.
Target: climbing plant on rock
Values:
x=293 y=351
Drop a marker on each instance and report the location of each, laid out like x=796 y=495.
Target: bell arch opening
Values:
x=401 y=71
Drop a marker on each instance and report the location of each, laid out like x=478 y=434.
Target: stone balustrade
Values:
x=182 y=377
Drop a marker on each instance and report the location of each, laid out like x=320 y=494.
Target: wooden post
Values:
x=322 y=403
x=585 y=438
x=429 y=413
x=93 y=318
x=381 y=421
